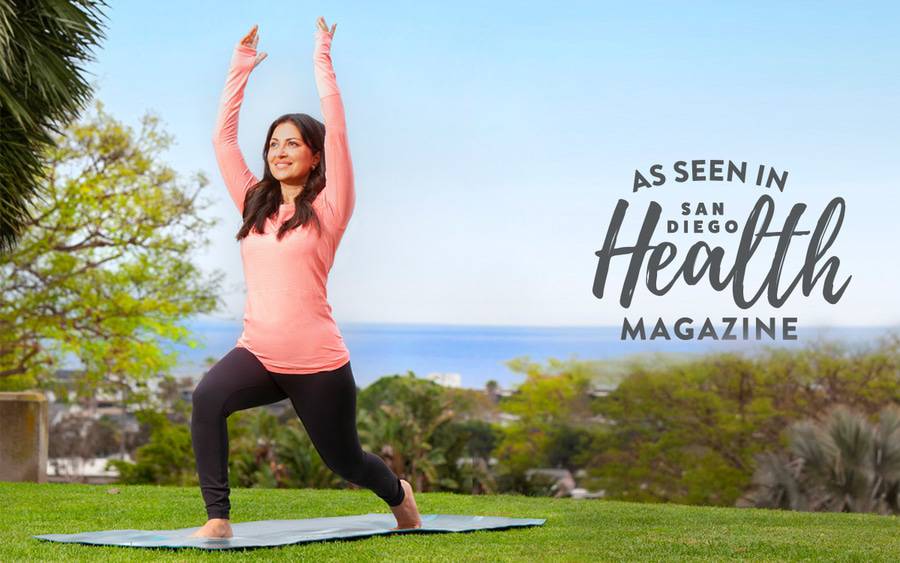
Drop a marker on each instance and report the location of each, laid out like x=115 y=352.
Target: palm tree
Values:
x=843 y=464
x=423 y=458
x=493 y=389
x=403 y=430
x=41 y=91
x=303 y=466
x=274 y=451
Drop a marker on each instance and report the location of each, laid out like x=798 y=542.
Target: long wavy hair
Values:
x=263 y=199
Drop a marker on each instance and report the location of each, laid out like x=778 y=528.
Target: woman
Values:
x=293 y=220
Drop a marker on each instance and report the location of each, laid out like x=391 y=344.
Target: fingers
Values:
x=251 y=36
x=324 y=26
x=259 y=58
x=251 y=39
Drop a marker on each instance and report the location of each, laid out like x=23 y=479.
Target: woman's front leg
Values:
x=237 y=382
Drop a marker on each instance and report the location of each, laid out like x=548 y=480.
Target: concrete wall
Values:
x=24 y=437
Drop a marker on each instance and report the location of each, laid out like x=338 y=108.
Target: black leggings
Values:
x=324 y=401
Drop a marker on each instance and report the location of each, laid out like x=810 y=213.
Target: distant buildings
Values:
x=446 y=379
x=563 y=482
x=91 y=470
x=602 y=389
x=73 y=419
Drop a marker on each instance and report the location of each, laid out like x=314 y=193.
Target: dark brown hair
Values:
x=263 y=199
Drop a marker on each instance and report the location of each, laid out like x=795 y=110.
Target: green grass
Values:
x=574 y=531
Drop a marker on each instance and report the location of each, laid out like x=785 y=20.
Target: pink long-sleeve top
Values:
x=287 y=318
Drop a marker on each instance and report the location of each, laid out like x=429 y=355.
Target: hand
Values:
x=324 y=27
x=252 y=40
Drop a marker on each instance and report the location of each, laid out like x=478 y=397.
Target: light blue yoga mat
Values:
x=270 y=533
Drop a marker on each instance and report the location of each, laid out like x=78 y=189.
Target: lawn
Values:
x=575 y=530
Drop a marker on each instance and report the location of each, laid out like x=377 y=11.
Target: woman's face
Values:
x=290 y=159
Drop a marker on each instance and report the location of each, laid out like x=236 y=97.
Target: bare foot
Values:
x=407 y=513
x=214 y=528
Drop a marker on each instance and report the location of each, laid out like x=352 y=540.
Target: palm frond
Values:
x=42 y=89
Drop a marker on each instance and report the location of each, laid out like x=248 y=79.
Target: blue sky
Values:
x=491 y=141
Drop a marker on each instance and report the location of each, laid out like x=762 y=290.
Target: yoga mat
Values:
x=269 y=533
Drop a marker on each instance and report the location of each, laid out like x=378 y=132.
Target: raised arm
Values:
x=338 y=190
x=238 y=178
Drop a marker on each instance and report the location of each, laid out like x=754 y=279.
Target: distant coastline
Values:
x=478 y=352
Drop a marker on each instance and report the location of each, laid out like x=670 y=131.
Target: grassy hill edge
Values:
x=575 y=530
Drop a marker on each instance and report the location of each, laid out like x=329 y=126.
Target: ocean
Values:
x=478 y=353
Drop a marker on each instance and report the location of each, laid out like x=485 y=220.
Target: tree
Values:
x=401 y=418
x=474 y=472
x=167 y=459
x=492 y=388
x=41 y=91
x=841 y=464
x=77 y=435
x=693 y=432
x=274 y=452
x=170 y=398
x=554 y=420
x=303 y=465
x=104 y=269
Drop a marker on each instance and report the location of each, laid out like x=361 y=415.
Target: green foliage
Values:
x=676 y=428
x=839 y=464
x=402 y=419
x=692 y=433
x=273 y=452
x=475 y=440
x=104 y=270
x=252 y=436
x=43 y=46
x=77 y=435
x=555 y=422
x=167 y=459
x=412 y=428
x=481 y=437
x=303 y=465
